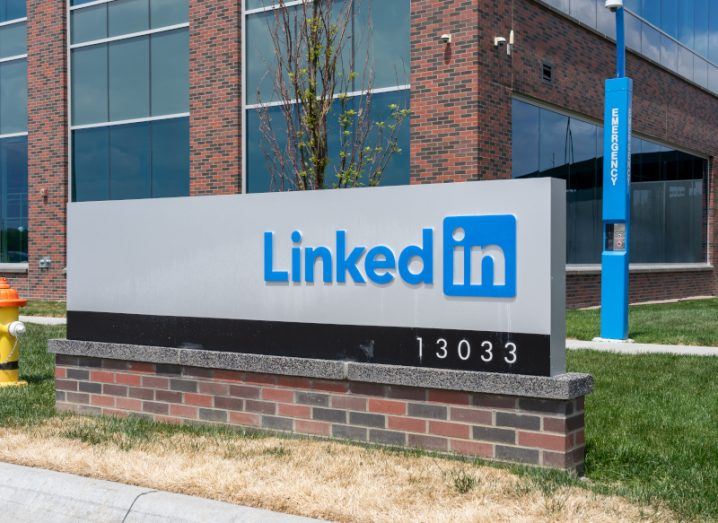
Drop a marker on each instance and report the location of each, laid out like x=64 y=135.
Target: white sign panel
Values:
x=463 y=275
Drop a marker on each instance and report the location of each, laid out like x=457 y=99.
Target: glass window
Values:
x=382 y=25
x=651 y=43
x=170 y=74
x=668 y=223
x=89 y=85
x=685 y=62
x=259 y=153
x=13 y=40
x=130 y=161
x=685 y=23
x=651 y=11
x=12 y=10
x=89 y=23
x=562 y=5
x=634 y=5
x=164 y=13
x=13 y=97
x=700 y=71
x=701 y=26
x=91 y=164
x=553 y=144
x=669 y=53
x=524 y=139
x=713 y=33
x=633 y=29
x=128 y=16
x=585 y=11
x=669 y=16
x=606 y=21
x=13 y=200
x=713 y=78
x=129 y=74
x=170 y=157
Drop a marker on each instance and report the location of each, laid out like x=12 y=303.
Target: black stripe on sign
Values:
x=11 y=365
x=504 y=352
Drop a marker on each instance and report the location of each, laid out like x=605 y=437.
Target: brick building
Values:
x=158 y=98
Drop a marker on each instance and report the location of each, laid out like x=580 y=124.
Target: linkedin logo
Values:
x=479 y=254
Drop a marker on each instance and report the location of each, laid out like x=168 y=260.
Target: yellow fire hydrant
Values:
x=10 y=330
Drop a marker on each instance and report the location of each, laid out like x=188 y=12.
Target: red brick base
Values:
x=548 y=433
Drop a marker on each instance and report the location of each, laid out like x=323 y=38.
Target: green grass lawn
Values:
x=651 y=424
x=685 y=322
x=44 y=308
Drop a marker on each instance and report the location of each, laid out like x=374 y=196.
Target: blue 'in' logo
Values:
x=480 y=256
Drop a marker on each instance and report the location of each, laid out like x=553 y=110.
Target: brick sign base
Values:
x=538 y=431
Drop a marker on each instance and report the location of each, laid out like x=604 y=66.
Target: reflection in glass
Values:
x=259 y=178
x=668 y=188
x=13 y=200
x=129 y=78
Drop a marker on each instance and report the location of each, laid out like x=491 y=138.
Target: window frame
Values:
x=243 y=58
x=69 y=8
x=592 y=268
x=14 y=267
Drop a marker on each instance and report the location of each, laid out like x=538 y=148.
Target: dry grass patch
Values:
x=320 y=479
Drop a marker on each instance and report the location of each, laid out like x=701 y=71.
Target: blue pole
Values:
x=616 y=195
x=620 y=45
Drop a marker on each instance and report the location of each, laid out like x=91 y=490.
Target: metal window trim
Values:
x=127 y=36
x=113 y=123
x=13 y=135
x=13 y=58
x=352 y=94
x=272 y=7
x=13 y=21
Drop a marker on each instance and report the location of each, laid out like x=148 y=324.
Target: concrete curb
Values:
x=31 y=495
x=641 y=348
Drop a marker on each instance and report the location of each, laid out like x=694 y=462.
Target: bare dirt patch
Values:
x=320 y=479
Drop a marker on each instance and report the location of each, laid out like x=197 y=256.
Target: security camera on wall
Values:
x=614 y=5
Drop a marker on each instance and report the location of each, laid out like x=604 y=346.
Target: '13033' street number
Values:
x=463 y=350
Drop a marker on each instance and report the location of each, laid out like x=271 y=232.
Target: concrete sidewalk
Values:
x=642 y=348
x=43 y=320
x=39 y=495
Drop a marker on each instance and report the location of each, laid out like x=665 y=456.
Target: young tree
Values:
x=315 y=72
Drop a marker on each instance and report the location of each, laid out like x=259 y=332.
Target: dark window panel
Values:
x=668 y=187
x=89 y=85
x=129 y=79
x=91 y=164
x=524 y=139
x=89 y=23
x=170 y=74
x=13 y=200
x=164 y=13
x=130 y=161
x=170 y=158
x=128 y=16
x=12 y=10
x=13 y=40
x=13 y=97
x=553 y=144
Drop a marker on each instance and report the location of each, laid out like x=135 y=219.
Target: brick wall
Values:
x=47 y=148
x=549 y=433
x=215 y=102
